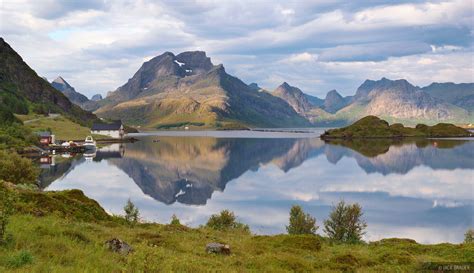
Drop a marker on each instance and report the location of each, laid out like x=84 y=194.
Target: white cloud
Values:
x=98 y=45
x=301 y=58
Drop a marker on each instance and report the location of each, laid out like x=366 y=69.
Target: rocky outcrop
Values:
x=119 y=246
x=218 y=248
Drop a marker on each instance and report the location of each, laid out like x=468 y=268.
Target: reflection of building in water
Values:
x=47 y=161
x=58 y=167
x=116 y=150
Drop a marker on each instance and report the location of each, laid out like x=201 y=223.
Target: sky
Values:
x=97 y=45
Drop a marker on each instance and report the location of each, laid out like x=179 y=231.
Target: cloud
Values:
x=98 y=45
x=301 y=58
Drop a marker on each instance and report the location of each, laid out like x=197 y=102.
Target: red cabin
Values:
x=46 y=138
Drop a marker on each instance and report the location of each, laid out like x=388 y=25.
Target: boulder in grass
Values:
x=119 y=246
x=218 y=248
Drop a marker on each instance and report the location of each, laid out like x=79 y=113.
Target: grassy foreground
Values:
x=65 y=232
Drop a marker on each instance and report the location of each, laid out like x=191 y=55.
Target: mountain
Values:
x=334 y=101
x=22 y=90
x=294 y=96
x=174 y=90
x=96 y=97
x=75 y=97
x=395 y=101
x=400 y=99
x=314 y=101
x=255 y=87
x=461 y=94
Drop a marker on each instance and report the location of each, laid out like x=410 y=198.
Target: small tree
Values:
x=132 y=213
x=175 y=220
x=345 y=223
x=225 y=220
x=6 y=210
x=301 y=223
x=469 y=236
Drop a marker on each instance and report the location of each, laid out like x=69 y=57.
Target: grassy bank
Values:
x=60 y=126
x=66 y=231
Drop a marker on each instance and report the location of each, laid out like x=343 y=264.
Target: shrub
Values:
x=225 y=220
x=16 y=136
x=469 y=236
x=16 y=169
x=301 y=223
x=6 y=210
x=345 y=223
x=132 y=213
x=19 y=260
x=175 y=220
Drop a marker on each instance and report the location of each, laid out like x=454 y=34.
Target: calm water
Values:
x=421 y=190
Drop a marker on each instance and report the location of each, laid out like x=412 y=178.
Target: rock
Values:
x=218 y=248
x=119 y=246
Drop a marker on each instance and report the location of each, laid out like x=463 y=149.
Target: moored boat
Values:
x=89 y=143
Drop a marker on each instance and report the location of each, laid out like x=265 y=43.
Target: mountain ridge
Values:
x=188 y=89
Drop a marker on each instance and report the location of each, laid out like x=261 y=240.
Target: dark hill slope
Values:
x=19 y=81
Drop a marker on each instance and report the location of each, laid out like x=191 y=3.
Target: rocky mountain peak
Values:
x=96 y=97
x=334 y=101
x=333 y=94
x=194 y=61
x=371 y=88
x=293 y=96
x=75 y=97
x=61 y=84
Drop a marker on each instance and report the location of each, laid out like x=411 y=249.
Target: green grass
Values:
x=66 y=231
x=62 y=127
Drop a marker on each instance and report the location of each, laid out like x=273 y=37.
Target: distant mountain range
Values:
x=189 y=90
x=75 y=97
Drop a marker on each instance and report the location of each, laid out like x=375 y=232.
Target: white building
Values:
x=113 y=130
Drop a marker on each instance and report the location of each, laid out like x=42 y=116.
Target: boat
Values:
x=89 y=143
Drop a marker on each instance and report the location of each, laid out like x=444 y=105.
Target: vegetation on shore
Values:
x=374 y=127
x=65 y=232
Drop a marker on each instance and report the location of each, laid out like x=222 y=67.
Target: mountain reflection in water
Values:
x=398 y=183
